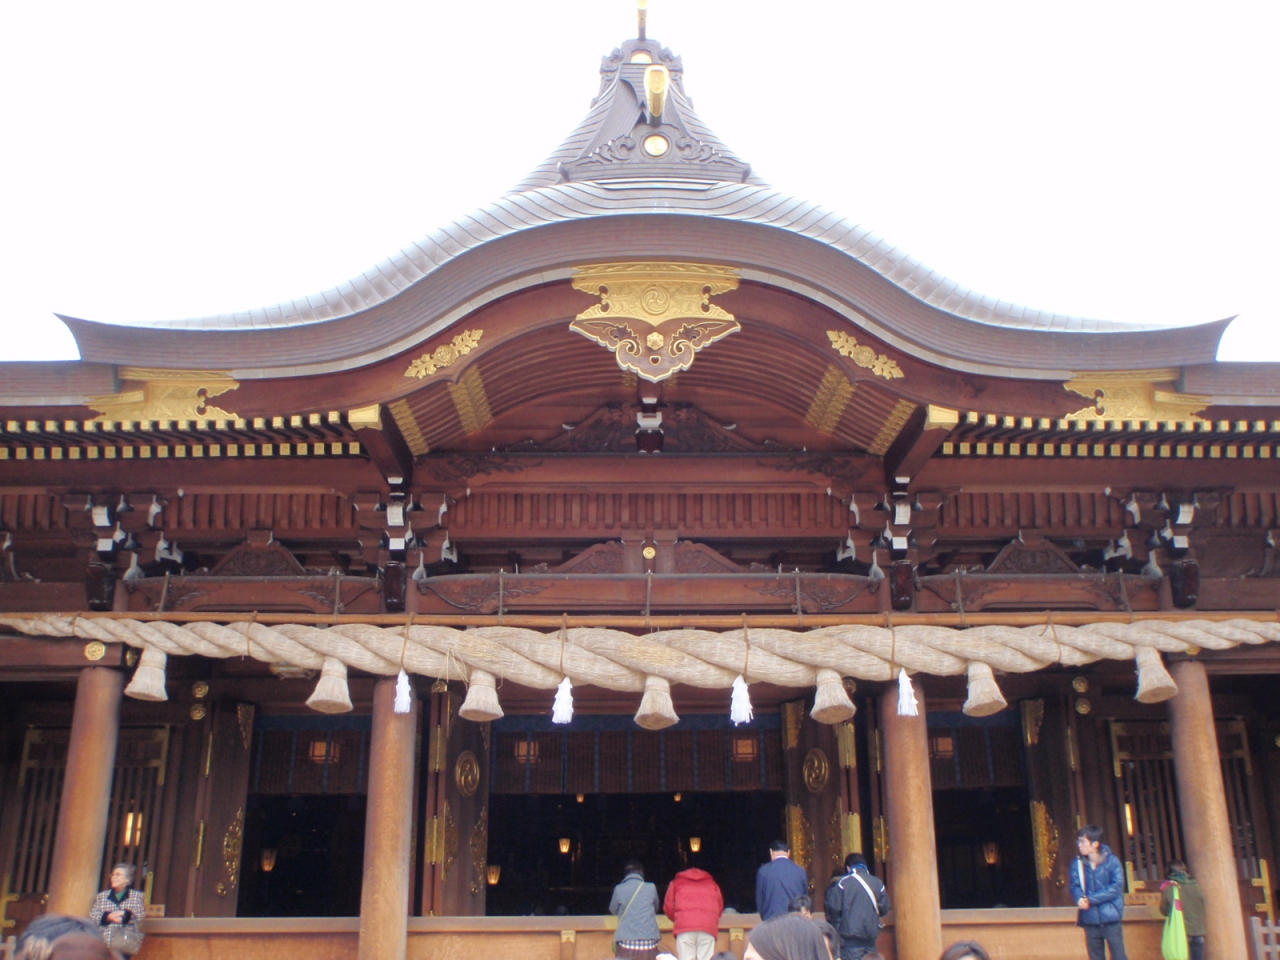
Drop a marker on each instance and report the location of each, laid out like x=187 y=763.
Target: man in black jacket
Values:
x=854 y=905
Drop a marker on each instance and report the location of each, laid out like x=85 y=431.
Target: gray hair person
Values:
x=119 y=911
x=37 y=941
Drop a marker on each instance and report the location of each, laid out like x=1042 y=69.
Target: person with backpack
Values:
x=854 y=905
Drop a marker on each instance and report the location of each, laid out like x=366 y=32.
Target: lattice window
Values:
x=610 y=760
x=294 y=756
x=133 y=828
x=1147 y=799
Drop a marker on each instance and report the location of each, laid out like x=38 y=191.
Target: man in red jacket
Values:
x=694 y=904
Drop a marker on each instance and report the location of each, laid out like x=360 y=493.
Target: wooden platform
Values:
x=1012 y=934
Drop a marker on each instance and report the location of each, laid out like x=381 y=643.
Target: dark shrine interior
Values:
x=733 y=831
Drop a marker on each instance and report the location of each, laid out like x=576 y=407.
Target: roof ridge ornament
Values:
x=672 y=299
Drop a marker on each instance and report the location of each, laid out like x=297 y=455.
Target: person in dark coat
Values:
x=787 y=937
x=1192 y=898
x=1097 y=886
x=694 y=904
x=779 y=881
x=854 y=905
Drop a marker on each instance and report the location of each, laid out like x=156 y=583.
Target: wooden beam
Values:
x=917 y=443
x=381 y=439
x=36 y=653
x=710 y=621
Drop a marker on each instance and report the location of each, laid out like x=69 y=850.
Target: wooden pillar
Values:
x=384 y=894
x=913 y=850
x=76 y=870
x=1206 y=831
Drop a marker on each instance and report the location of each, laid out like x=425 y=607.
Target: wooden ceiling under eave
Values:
x=763 y=383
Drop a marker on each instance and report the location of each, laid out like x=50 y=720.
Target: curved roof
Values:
x=602 y=172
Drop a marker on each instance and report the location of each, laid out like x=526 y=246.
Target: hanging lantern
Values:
x=495 y=874
x=991 y=853
x=565 y=844
x=269 y=859
x=695 y=844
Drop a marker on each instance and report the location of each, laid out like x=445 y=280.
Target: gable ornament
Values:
x=655 y=317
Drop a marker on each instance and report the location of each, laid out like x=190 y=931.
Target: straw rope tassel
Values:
x=148 y=680
x=740 y=700
x=562 y=707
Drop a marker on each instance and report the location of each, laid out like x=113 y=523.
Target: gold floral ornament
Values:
x=444 y=355
x=864 y=356
x=671 y=301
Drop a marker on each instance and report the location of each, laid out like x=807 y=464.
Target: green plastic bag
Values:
x=1173 y=945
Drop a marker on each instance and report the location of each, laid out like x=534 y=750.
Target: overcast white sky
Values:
x=163 y=160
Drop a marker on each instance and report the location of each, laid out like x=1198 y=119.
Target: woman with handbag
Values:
x=635 y=904
x=119 y=911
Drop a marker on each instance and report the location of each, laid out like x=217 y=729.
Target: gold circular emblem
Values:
x=655 y=145
x=649 y=552
x=466 y=773
x=200 y=690
x=199 y=711
x=655 y=340
x=1080 y=685
x=816 y=770
x=95 y=650
x=655 y=300
x=1083 y=706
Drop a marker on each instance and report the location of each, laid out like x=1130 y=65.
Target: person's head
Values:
x=36 y=942
x=854 y=860
x=121 y=876
x=779 y=848
x=832 y=937
x=633 y=866
x=788 y=937
x=1088 y=839
x=81 y=946
x=1176 y=869
x=965 y=950
x=802 y=905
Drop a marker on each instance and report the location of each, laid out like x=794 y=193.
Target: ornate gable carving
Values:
x=1032 y=556
x=259 y=559
x=693 y=557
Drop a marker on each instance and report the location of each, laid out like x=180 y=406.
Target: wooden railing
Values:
x=1266 y=939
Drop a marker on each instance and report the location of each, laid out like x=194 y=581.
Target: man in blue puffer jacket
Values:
x=1097 y=886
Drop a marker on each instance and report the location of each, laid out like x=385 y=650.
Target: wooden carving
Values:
x=1034 y=555
x=693 y=557
x=256 y=559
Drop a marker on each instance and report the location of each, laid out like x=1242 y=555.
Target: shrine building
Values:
x=647 y=513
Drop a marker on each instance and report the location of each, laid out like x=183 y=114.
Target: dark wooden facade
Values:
x=457 y=448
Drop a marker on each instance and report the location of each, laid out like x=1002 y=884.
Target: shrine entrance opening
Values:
x=304 y=817
x=982 y=811
x=570 y=807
